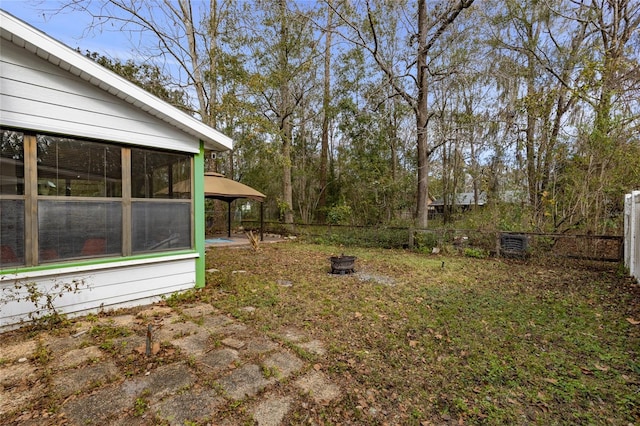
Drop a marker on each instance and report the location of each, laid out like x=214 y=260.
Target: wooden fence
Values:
x=632 y=233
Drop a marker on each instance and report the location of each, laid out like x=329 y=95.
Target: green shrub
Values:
x=339 y=215
x=476 y=252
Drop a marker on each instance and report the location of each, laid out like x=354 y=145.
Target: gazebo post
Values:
x=261 y=221
x=229 y=219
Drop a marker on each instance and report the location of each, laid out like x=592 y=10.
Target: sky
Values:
x=68 y=28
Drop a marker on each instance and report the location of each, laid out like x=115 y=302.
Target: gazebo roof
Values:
x=219 y=187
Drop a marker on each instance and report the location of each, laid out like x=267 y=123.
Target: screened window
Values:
x=160 y=226
x=12 y=232
x=89 y=199
x=160 y=175
x=12 y=163
x=12 y=199
x=72 y=167
x=77 y=229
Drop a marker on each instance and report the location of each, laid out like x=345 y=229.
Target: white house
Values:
x=88 y=161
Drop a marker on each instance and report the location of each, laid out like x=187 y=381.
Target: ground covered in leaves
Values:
x=425 y=339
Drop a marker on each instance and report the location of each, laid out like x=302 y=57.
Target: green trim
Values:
x=97 y=261
x=198 y=214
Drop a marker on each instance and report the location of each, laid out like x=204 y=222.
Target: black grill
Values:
x=342 y=264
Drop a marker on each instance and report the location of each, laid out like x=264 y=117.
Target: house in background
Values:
x=464 y=201
x=88 y=162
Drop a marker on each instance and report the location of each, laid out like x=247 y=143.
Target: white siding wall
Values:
x=120 y=284
x=35 y=94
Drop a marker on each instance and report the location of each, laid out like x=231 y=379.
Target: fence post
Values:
x=635 y=234
x=632 y=233
x=627 y=230
x=498 y=244
x=411 y=230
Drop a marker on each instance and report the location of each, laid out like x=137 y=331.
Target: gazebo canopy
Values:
x=219 y=187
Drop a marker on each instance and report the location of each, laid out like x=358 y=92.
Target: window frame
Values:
x=31 y=198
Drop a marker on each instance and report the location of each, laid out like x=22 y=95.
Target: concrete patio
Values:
x=203 y=366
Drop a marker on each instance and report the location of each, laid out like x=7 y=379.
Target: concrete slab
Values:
x=272 y=410
x=293 y=335
x=219 y=360
x=60 y=345
x=174 y=330
x=231 y=329
x=155 y=312
x=103 y=407
x=199 y=311
x=318 y=386
x=161 y=382
x=12 y=375
x=195 y=406
x=195 y=345
x=83 y=379
x=245 y=381
x=216 y=322
x=119 y=321
x=260 y=345
x=284 y=363
x=233 y=343
x=77 y=357
x=18 y=350
x=128 y=344
x=19 y=398
x=314 y=346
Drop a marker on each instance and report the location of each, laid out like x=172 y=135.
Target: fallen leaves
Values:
x=142 y=349
x=428 y=334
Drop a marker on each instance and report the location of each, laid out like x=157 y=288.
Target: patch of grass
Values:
x=269 y=372
x=91 y=318
x=474 y=340
x=107 y=345
x=42 y=354
x=476 y=252
x=109 y=331
x=140 y=406
x=180 y=297
x=191 y=361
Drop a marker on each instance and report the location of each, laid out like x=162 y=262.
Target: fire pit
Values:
x=342 y=264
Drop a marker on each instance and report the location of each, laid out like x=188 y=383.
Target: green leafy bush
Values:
x=476 y=253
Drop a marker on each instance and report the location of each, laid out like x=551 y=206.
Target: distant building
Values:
x=465 y=200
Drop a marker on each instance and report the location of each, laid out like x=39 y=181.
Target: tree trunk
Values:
x=185 y=7
x=213 y=72
x=422 y=119
x=324 y=151
x=286 y=127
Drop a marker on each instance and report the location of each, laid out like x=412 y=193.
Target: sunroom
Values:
x=88 y=163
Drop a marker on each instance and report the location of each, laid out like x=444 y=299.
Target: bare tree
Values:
x=174 y=35
x=326 y=103
x=431 y=28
